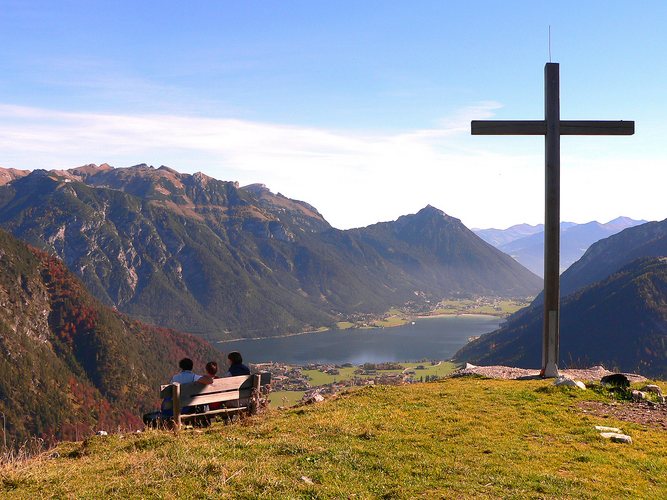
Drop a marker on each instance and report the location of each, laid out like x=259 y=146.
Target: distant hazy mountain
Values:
x=575 y=240
x=69 y=364
x=498 y=237
x=619 y=322
x=211 y=257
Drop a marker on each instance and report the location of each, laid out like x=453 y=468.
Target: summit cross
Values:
x=552 y=127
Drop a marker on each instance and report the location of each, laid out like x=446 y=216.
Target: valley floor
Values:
x=485 y=306
x=461 y=438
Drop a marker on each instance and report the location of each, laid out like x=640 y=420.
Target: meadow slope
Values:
x=462 y=438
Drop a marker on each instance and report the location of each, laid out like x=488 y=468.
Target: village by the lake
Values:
x=295 y=384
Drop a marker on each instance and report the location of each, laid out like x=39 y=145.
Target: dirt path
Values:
x=651 y=415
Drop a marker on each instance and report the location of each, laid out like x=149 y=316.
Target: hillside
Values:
x=459 y=438
x=619 y=322
x=609 y=255
x=213 y=258
x=575 y=240
x=69 y=364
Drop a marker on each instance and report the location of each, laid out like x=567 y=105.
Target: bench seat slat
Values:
x=204 y=399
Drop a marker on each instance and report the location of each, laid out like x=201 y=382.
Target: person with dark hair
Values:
x=212 y=369
x=187 y=376
x=235 y=366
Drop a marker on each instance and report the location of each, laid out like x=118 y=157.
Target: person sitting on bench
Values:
x=212 y=371
x=185 y=376
x=235 y=365
x=235 y=368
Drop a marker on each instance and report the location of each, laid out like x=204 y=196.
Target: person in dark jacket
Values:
x=235 y=365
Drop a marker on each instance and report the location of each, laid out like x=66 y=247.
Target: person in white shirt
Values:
x=187 y=376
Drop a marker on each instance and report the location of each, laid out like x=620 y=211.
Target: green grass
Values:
x=390 y=321
x=319 y=378
x=459 y=438
x=442 y=369
x=285 y=398
x=467 y=306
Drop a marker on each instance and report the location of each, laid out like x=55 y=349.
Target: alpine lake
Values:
x=432 y=338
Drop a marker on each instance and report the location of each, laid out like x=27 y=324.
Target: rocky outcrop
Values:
x=207 y=256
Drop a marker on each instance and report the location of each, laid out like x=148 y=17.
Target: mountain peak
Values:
x=164 y=168
x=257 y=189
x=91 y=168
x=430 y=209
x=431 y=213
x=9 y=174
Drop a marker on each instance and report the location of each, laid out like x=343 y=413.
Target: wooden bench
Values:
x=236 y=393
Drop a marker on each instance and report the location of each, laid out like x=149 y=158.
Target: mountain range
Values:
x=525 y=243
x=614 y=310
x=211 y=257
x=68 y=364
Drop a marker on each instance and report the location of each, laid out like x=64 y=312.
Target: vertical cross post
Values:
x=551 y=221
x=551 y=128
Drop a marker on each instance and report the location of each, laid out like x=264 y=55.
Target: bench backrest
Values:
x=222 y=389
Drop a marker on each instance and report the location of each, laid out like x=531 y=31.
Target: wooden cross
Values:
x=552 y=127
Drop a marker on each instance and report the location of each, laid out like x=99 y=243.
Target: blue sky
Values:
x=361 y=108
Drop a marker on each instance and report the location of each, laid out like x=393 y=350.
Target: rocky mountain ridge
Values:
x=211 y=257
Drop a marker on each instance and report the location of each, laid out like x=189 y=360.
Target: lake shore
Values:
x=406 y=322
x=447 y=315
x=281 y=336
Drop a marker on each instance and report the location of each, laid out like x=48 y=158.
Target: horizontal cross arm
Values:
x=539 y=127
x=582 y=127
x=508 y=127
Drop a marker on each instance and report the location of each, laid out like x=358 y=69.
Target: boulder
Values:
x=563 y=381
x=604 y=428
x=313 y=398
x=656 y=390
x=615 y=380
x=617 y=437
x=652 y=388
x=638 y=395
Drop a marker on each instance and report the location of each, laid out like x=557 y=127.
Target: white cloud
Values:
x=353 y=178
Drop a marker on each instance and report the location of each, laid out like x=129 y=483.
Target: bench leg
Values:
x=176 y=398
x=256 y=394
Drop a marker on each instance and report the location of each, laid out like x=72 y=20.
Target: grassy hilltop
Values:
x=463 y=438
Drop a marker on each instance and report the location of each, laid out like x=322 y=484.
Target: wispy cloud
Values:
x=354 y=178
